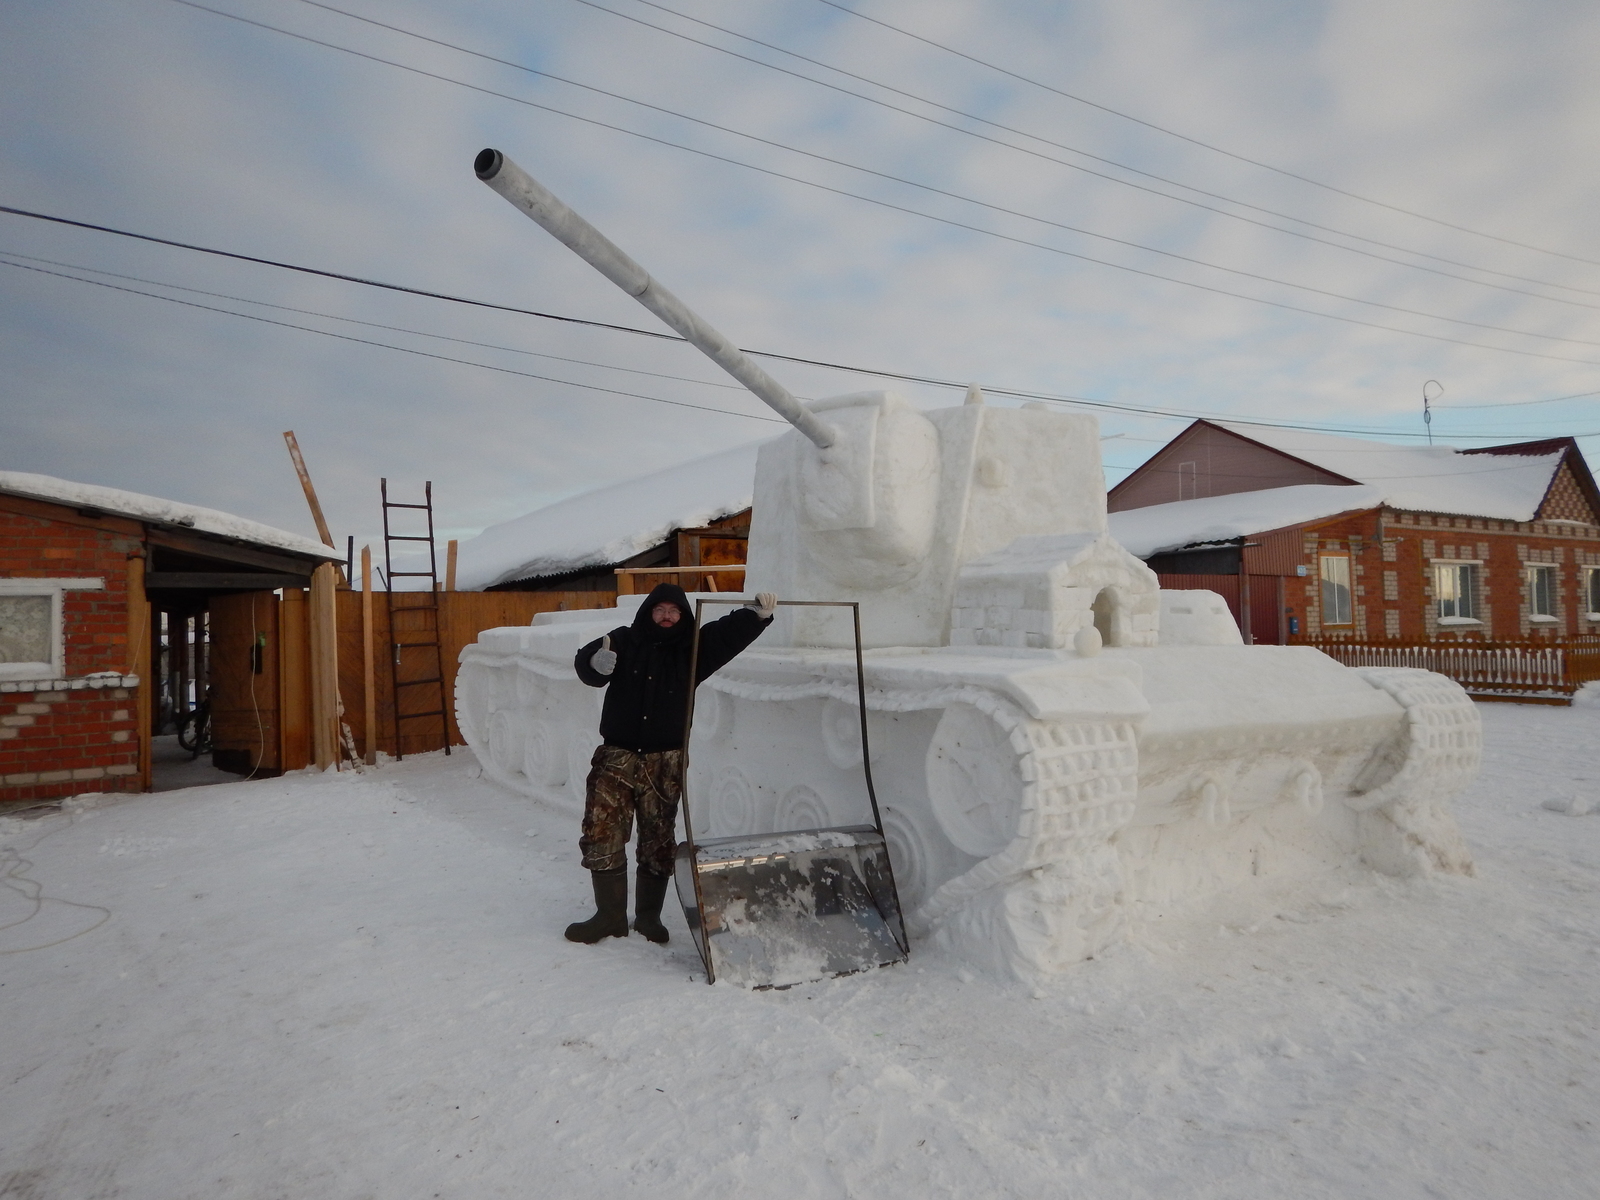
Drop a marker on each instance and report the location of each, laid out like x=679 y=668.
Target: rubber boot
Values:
x=611 y=909
x=648 y=897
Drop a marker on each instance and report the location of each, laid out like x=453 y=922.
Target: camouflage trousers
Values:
x=622 y=783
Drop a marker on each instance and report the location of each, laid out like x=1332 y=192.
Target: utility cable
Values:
x=345 y=337
x=1265 y=166
x=1059 y=146
x=1213 y=290
x=907 y=377
x=311 y=312
x=945 y=192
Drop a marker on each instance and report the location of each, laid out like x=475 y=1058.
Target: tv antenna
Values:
x=1427 y=412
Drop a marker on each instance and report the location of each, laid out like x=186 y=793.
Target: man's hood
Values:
x=669 y=593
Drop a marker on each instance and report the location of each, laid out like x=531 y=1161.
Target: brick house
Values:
x=1314 y=538
x=90 y=578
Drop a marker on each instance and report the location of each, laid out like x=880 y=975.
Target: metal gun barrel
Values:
x=589 y=244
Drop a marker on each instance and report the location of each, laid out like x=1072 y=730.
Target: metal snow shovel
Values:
x=776 y=909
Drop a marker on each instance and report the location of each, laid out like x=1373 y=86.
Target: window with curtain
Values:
x=1591 y=589
x=1336 y=589
x=1541 y=591
x=1455 y=589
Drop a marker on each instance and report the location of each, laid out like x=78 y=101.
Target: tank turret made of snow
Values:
x=1060 y=747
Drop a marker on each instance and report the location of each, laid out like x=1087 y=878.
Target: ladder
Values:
x=414 y=648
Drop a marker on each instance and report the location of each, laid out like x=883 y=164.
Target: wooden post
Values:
x=450 y=565
x=139 y=664
x=324 y=668
x=369 y=664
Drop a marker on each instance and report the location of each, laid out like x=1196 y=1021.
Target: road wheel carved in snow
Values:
x=1053 y=896
x=973 y=781
x=802 y=808
x=544 y=755
x=841 y=733
x=733 y=803
x=505 y=740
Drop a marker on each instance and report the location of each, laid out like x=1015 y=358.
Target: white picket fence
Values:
x=1515 y=672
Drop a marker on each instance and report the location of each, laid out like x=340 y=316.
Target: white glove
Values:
x=604 y=660
x=765 y=604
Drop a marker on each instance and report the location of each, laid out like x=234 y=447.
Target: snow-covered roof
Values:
x=1434 y=479
x=611 y=524
x=1161 y=527
x=157 y=510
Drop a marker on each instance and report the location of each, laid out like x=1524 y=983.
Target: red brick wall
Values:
x=34 y=544
x=78 y=740
x=63 y=743
x=1395 y=576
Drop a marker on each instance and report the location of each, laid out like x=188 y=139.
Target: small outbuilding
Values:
x=115 y=621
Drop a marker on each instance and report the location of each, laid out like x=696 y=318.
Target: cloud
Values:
x=155 y=117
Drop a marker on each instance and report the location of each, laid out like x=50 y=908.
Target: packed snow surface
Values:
x=610 y=524
x=153 y=508
x=355 y=985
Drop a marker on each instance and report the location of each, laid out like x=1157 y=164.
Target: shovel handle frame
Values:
x=866 y=749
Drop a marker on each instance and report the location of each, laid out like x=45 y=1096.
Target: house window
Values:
x=1336 y=589
x=1455 y=587
x=1542 y=593
x=30 y=625
x=30 y=629
x=1591 y=590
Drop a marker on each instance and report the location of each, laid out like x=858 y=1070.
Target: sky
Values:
x=1288 y=213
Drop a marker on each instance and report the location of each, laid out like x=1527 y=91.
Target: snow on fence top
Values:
x=158 y=511
x=611 y=524
x=1432 y=479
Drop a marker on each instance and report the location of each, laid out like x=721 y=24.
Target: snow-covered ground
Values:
x=355 y=986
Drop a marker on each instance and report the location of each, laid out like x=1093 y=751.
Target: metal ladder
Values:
x=425 y=638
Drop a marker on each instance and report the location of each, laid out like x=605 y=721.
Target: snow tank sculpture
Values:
x=1060 y=746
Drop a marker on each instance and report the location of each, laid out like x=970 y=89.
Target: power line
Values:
x=1208 y=288
x=932 y=381
x=344 y=337
x=1208 y=145
x=1069 y=149
x=938 y=191
x=310 y=312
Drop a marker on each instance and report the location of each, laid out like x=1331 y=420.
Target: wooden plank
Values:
x=139 y=664
x=305 y=485
x=294 y=676
x=228 y=550
x=369 y=662
x=217 y=581
x=450 y=565
x=324 y=668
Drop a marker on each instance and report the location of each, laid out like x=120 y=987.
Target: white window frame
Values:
x=55 y=589
x=1591 y=592
x=1532 y=574
x=1349 y=590
x=1469 y=594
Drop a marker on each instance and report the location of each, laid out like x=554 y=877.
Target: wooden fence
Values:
x=1517 y=671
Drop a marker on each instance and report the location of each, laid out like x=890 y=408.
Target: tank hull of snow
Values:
x=1059 y=746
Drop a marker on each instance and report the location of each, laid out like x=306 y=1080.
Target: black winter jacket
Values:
x=644 y=708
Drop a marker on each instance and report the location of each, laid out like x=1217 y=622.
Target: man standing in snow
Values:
x=639 y=766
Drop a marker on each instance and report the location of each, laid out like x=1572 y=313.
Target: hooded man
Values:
x=638 y=769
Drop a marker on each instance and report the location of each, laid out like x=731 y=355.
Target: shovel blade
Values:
x=787 y=908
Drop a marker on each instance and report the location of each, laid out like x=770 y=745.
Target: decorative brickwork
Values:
x=1566 y=501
